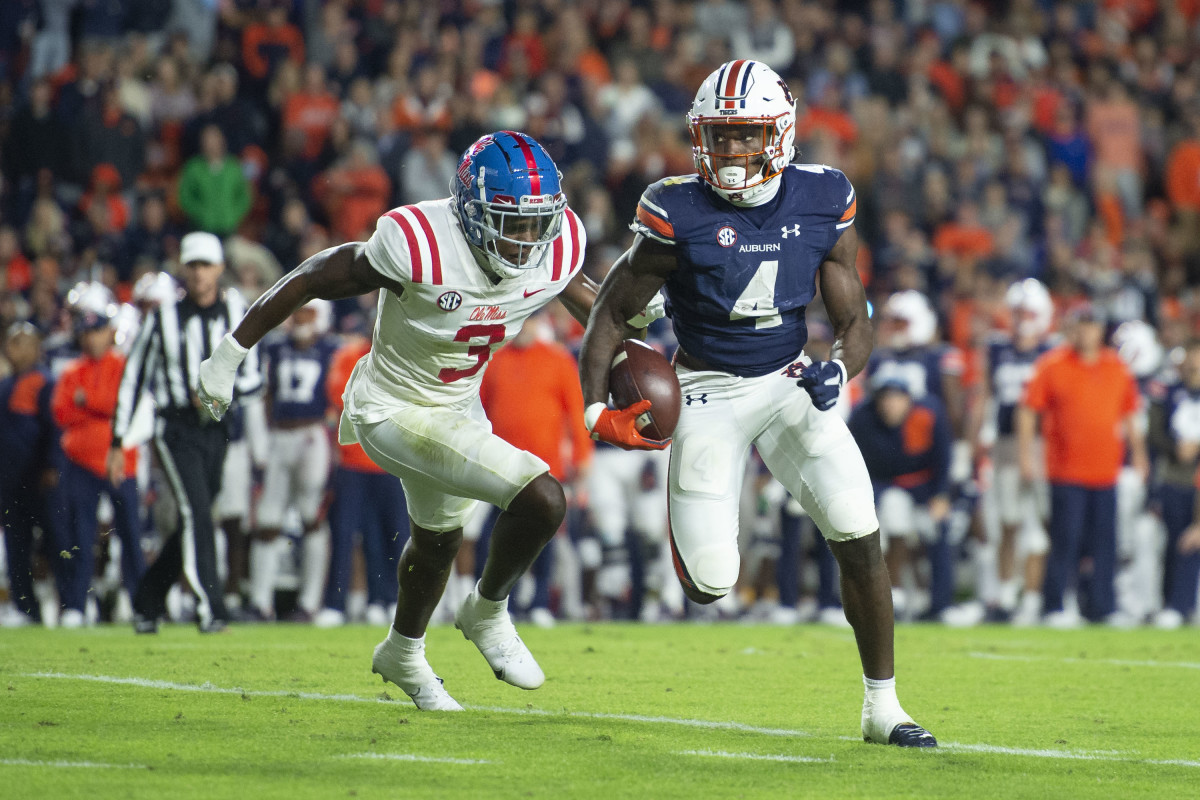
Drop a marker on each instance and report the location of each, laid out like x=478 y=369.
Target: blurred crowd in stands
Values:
x=989 y=143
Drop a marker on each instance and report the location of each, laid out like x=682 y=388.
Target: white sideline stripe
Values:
x=412 y=757
x=146 y=683
x=1115 y=662
x=756 y=756
x=25 y=762
x=1067 y=754
x=690 y=723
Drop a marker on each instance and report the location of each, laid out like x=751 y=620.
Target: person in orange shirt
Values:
x=312 y=110
x=368 y=501
x=532 y=397
x=84 y=402
x=1087 y=400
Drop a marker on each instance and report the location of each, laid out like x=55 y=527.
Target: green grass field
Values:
x=627 y=711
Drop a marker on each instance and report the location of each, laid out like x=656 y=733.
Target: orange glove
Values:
x=619 y=426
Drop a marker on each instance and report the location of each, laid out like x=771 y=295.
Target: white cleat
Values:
x=415 y=678
x=492 y=631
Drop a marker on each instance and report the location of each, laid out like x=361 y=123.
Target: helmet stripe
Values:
x=731 y=81
x=745 y=88
x=435 y=255
x=535 y=176
x=414 y=251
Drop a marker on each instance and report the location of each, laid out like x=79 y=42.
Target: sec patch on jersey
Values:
x=639 y=372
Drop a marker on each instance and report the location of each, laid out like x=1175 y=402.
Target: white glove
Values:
x=614 y=581
x=655 y=309
x=217 y=375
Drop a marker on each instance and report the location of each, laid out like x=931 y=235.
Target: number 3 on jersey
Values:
x=757 y=300
x=492 y=333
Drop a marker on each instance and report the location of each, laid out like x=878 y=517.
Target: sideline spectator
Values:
x=213 y=192
x=1086 y=399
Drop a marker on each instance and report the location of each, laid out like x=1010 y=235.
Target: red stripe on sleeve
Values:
x=435 y=254
x=414 y=252
x=556 y=257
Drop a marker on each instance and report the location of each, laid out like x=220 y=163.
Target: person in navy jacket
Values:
x=906 y=443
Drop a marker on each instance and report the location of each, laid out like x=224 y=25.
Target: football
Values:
x=639 y=372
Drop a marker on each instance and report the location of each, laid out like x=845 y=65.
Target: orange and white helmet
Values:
x=1031 y=297
x=743 y=101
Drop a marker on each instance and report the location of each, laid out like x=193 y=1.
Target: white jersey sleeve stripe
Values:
x=578 y=237
x=410 y=235
x=435 y=255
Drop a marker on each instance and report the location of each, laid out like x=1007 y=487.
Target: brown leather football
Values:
x=640 y=372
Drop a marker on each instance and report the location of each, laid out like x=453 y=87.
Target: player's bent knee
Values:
x=542 y=497
x=849 y=515
x=711 y=573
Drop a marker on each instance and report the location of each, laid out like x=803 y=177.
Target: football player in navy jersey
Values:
x=739 y=250
x=1021 y=508
x=1175 y=438
x=296 y=473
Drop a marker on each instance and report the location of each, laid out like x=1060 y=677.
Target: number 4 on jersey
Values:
x=758 y=298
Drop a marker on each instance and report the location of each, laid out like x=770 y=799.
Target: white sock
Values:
x=264 y=571
x=1009 y=590
x=880 y=701
x=489 y=605
x=314 y=568
x=404 y=645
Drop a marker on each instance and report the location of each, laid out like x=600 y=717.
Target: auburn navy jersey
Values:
x=1009 y=369
x=745 y=275
x=919 y=368
x=296 y=379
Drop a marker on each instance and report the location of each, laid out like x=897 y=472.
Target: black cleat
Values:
x=214 y=626
x=144 y=624
x=909 y=734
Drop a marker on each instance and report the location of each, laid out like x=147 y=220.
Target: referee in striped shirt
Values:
x=165 y=359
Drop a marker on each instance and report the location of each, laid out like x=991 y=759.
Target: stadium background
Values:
x=987 y=142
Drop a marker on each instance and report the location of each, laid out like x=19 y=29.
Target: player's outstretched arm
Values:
x=846 y=303
x=332 y=274
x=579 y=296
x=629 y=286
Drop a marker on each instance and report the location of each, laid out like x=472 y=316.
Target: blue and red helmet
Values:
x=509 y=200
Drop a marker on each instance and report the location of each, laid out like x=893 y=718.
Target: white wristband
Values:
x=842 y=367
x=229 y=354
x=591 y=415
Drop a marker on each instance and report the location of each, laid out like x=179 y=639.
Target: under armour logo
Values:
x=696 y=398
x=794 y=230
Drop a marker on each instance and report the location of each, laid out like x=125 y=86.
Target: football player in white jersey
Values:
x=740 y=249
x=458 y=277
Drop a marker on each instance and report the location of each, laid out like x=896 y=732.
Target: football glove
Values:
x=217 y=375
x=619 y=426
x=823 y=380
x=654 y=310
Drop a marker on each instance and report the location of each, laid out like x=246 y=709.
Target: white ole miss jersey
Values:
x=432 y=343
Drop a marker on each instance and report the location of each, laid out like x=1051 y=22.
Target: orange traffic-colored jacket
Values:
x=1082 y=405
x=86 y=420
x=353 y=456
x=532 y=397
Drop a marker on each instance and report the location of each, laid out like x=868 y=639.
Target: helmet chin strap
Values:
x=756 y=195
